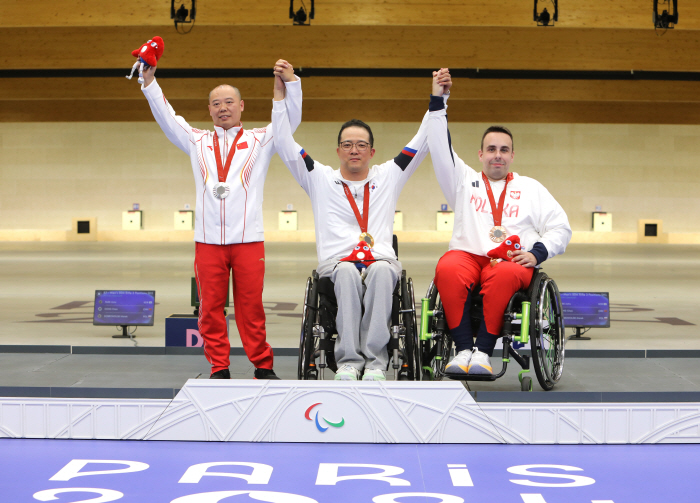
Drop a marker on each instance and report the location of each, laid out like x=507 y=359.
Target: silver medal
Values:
x=221 y=190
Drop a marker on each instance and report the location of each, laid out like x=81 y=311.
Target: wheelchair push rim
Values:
x=433 y=363
x=547 y=332
x=411 y=349
x=306 y=338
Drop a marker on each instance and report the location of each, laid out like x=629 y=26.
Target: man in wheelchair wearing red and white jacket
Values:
x=495 y=210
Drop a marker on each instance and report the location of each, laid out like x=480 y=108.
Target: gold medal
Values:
x=367 y=238
x=498 y=234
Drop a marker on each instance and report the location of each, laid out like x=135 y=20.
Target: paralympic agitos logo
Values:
x=320 y=428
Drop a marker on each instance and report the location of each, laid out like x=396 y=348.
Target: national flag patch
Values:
x=405 y=157
x=307 y=160
x=242 y=145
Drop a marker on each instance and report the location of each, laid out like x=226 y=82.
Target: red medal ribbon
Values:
x=364 y=218
x=496 y=210
x=223 y=170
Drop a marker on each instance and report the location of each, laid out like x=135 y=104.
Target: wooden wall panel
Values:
x=359 y=47
x=365 y=88
x=387 y=110
x=512 y=13
x=499 y=34
x=385 y=99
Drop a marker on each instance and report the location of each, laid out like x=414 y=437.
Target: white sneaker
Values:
x=480 y=363
x=347 y=373
x=374 y=375
x=459 y=365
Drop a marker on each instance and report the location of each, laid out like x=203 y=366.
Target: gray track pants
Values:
x=362 y=339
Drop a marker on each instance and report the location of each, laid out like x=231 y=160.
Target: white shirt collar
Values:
x=370 y=175
x=231 y=132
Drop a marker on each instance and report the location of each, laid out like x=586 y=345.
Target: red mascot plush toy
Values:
x=361 y=255
x=505 y=250
x=148 y=54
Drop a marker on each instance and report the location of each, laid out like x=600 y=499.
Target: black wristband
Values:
x=436 y=103
x=539 y=250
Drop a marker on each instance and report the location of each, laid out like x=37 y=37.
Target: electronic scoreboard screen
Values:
x=586 y=309
x=124 y=307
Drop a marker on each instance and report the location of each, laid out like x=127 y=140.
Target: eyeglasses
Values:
x=361 y=145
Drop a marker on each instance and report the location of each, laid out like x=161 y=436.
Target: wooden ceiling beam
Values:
x=358 y=47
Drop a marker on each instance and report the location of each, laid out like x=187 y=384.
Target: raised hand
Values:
x=442 y=82
x=284 y=70
x=149 y=73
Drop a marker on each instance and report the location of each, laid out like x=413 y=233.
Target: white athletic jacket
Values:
x=238 y=218
x=337 y=229
x=529 y=210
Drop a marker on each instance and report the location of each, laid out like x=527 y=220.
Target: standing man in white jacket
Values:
x=489 y=207
x=230 y=165
x=353 y=210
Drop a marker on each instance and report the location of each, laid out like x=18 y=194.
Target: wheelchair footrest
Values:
x=474 y=377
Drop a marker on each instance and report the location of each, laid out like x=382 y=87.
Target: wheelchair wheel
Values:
x=436 y=352
x=410 y=345
x=307 y=342
x=546 y=331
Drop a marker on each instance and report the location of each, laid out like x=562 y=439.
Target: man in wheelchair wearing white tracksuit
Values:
x=354 y=212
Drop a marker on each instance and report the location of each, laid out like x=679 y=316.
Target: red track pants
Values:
x=457 y=274
x=213 y=264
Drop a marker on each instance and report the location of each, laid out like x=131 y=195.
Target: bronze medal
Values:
x=367 y=238
x=498 y=234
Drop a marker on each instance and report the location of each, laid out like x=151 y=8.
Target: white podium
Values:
x=321 y=411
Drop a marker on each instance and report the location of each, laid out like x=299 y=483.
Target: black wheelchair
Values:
x=318 y=330
x=533 y=315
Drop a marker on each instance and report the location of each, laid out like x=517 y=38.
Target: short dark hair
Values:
x=357 y=123
x=497 y=129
